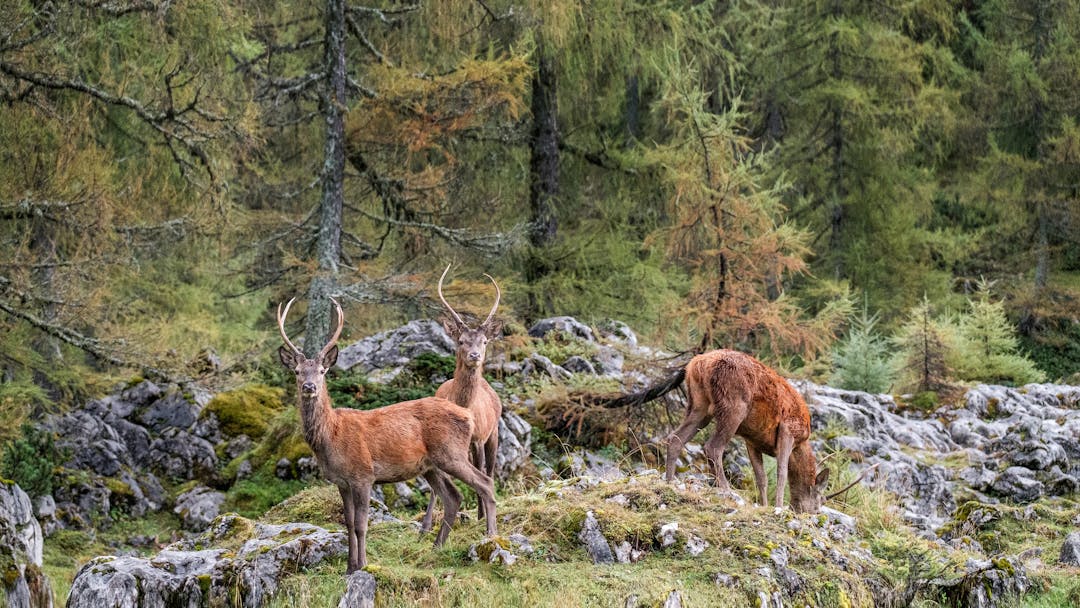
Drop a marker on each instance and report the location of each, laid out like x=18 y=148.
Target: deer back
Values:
x=403 y=440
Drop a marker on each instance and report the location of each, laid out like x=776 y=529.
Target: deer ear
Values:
x=287 y=356
x=330 y=358
x=452 y=328
x=493 y=329
x=822 y=478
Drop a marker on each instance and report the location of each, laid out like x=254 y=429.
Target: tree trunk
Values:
x=328 y=243
x=543 y=176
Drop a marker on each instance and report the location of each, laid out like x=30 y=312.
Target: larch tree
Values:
x=1024 y=112
x=393 y=101
x=116 y=133
x=849 y=96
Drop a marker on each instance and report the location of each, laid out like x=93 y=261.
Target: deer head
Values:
x=471 y=343
x=807 y=497
x=310 y=373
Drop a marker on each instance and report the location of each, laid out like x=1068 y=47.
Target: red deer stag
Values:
x=469 y=389
x=356 y=449
x=748 y=399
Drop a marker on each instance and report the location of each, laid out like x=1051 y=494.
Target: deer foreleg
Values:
x=361 y=503
x=784 y=443
x=347 y=505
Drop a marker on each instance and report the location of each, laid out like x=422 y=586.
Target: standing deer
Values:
x=748 y=399
x=469 y=389
x=356 y=449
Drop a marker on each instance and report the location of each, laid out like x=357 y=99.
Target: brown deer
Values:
x=469 y=389
x=748 y=399
x=356 y=449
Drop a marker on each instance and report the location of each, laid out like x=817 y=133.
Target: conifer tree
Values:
x=118 y=133
x=849 y=93
x=861 y=360
x=1024 y=139
x=923 y=345
x=987 y=349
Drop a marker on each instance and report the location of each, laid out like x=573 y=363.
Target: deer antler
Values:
x=498 y=295
x=281 y=325
x=849 y=486
x=456 y=316
x=337 y=332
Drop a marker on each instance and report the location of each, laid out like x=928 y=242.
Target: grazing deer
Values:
x=469 y=389
x=748 y=399
x=356 y=449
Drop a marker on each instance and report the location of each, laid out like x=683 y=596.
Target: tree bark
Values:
x=328 y=243
x=543 y=175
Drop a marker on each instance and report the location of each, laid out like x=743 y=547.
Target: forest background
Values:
x=884 y=195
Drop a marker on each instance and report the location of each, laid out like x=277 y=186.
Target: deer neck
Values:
x=467 y=382
x=317 y=418
x=802 y=467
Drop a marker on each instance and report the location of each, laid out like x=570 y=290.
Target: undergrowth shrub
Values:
x=31 y=461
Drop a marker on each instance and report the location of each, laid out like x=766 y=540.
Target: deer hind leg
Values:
x=350 y=527
x=697 y=413
x=784 y=443
x=478 y=458
x=483 y=485
x=758 y=464
x=726 y=425
x=451 y=498
x=429 y=513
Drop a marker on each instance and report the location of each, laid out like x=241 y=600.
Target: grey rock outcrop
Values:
x=567 y=325
x=539 y=364
x=183 y=575
x=617 y=331
x=198 y=507
x=170 y=411
x=390 y=351
x=595 y=544
x=24 y=584
x=515 y=445
x=1031 y=434
x=179 y=455
x=359 y=591
x=1070 y=550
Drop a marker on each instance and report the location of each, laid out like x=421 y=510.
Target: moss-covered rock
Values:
x=247 y=410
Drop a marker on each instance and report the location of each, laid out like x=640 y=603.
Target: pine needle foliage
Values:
x=988 y=347
x=861 y=361
x=923 y=344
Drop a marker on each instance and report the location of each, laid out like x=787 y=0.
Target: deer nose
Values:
x=474 y=356
x=308 y=387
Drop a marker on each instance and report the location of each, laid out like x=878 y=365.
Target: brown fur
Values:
x=748 y=399
x=469 y=390
x=356 y=449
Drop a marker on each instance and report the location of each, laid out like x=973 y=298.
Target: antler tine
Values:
x=862 y=475
x=498 y=295
x=453 y=312
x=337 y=332
x=281 y=325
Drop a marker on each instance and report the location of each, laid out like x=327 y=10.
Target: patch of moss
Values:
x=247 y=410
x=319 y=505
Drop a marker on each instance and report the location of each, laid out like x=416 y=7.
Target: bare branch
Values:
x=117 y=8
x=354 y=27
x=93 y=346
x=381 y=13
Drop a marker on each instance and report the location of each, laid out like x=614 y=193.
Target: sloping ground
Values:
x=679 y=543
